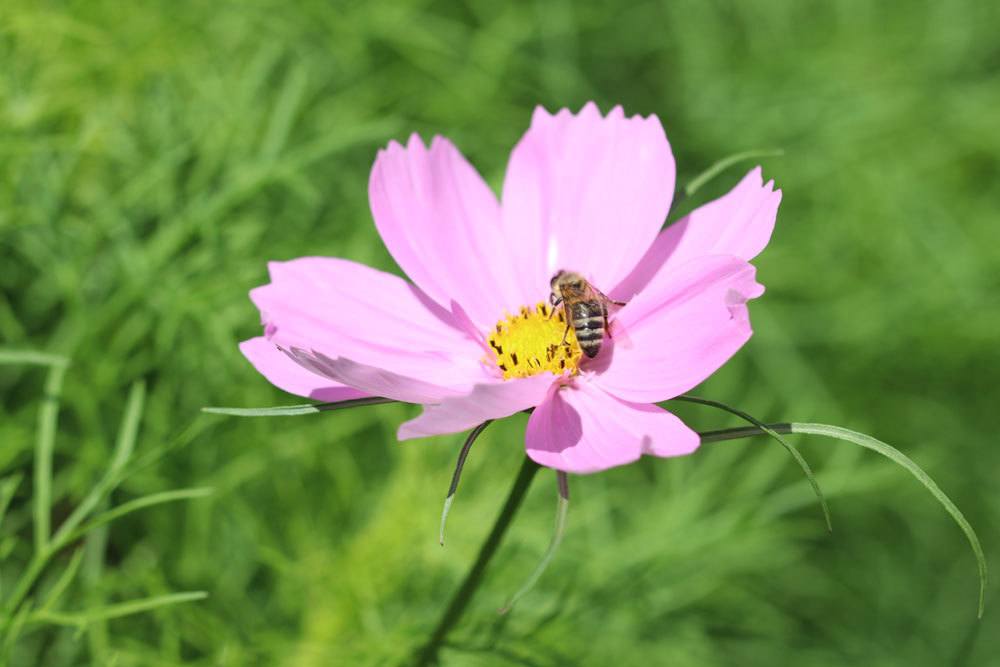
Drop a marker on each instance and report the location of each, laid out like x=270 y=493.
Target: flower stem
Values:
x=428 y=653
x=462 y=597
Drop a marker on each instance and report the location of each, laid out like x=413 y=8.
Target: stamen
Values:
x=532 y=342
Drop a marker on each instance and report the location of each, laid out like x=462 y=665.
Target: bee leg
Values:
x=619 y=303
x=565 y=333
x=555 y=304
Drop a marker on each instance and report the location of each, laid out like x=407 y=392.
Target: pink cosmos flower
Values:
x=473 y=338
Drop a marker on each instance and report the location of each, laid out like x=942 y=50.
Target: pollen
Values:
x=533 y=341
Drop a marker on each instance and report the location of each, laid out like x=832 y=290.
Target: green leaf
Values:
x=905 y=462
x=720 y=166
x=774 y=434
x=83 y=618
x=292 y=410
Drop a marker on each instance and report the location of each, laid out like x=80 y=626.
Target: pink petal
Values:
x=679 y=330
x=486 y=401
x=581 y=429
x=441 y=223
x=285 y=374
x=372 y=380
x=586 y=193
x=739 y=223
x=336 y=309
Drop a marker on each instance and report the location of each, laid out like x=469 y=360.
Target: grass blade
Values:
x=774 y=434
x=905 y=462
x=292 y=410
x=48 y=418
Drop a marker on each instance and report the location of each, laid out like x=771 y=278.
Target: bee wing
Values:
x=616 y=331
x=619 y=334
x=609 y=303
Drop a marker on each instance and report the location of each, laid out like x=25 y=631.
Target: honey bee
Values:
x=586 y=309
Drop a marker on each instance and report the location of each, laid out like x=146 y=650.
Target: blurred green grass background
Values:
x=153 y=157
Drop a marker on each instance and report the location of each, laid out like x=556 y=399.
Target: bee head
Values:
x=567 y=280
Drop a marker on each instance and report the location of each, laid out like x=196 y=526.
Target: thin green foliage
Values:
x=457 y=475
x=886 y=450
x=16 y=614
x=137 y=504
x=48 y=417
x=32 y=357
x=559 y=530
x=10 y=628
x=66 y=577
x=776 y=436
x=903 y=461
x=124 y=446
x=293 y=410
x=83 y=618
x=92 y=573
x=723 y=434
x=453 y=613
x=8 y=487
x=722 y=165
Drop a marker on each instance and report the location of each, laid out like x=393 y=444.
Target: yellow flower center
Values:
x=534 y=341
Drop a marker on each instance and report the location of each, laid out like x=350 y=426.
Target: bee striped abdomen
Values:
x=587 y=318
